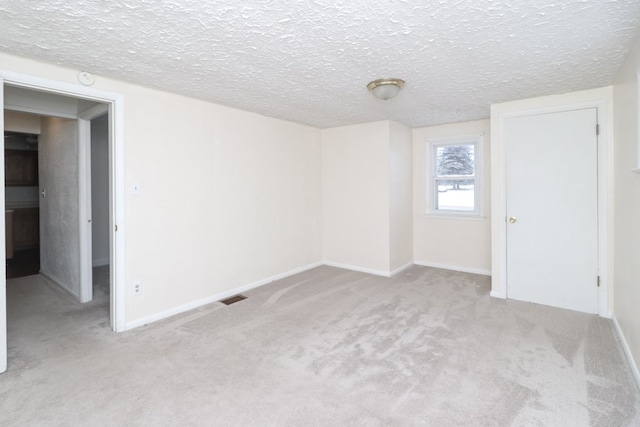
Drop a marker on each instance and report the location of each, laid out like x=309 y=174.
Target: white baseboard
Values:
x=496 y=294
x=627 y=351
x=99 y=262
x=369 y=270
x=55 y=283
x=217 y=297
x=360 y=269
x=400 y=269
x=454 y=267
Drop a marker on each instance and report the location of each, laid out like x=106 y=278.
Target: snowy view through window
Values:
x=455 y=178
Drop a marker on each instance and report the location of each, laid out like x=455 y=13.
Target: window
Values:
x=454 y=187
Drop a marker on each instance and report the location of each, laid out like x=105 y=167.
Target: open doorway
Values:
x=49 y=196
x=22 y=193
x=56 y=177
x=81 y=110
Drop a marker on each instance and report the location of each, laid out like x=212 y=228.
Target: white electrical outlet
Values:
x=137 y=288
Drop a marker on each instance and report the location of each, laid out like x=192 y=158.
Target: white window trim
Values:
x=478 y=141
x=637 y=168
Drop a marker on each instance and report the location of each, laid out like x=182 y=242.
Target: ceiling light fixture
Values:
x=385 y=88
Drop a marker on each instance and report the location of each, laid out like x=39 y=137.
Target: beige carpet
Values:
x=327 y=347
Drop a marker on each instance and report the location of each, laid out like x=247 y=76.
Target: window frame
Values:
x=432 y=145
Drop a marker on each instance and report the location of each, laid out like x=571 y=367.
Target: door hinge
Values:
x=116 y=227
x=598 y=281
x=597 y=129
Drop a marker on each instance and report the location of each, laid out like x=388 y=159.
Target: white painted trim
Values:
x=401 y=269
x=601 y=99
x=217 y=297
x=117 y=215
x=360 y=269
x=59 y=285
x=115 y=103
x=454 y=268
x=454 y=217
x=494 y=294
x=99 y=262
x=3 y=270
x=84 y=209
x=627 y=351
x=637 y=169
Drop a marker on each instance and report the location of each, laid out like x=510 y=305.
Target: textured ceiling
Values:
x=310 y=61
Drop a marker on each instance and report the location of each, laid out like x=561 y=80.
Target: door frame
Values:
x=602 y=100
x=85 y=196
x=115 y=105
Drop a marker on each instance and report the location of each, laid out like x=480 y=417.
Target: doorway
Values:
x=552 y=209
x=89 y=104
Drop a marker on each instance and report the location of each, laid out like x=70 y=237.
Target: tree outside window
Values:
x=456 y=160
x=454 y=184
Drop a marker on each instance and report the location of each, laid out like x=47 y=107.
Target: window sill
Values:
x=455 y=216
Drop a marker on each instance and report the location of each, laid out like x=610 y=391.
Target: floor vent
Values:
x=233 y=300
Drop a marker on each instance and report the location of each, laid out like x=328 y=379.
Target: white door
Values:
x=60 y=227
x=552 y=212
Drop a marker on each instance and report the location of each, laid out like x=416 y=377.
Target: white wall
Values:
x=627 y=203
x=367 y=197
x=100 y=191
x=400 y=196
x=228 y=198
x=355 y=196
x=59 y=210
x=451 y=242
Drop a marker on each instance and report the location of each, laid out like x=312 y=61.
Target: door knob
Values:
x=512 y=219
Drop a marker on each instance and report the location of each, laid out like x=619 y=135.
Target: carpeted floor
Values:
x=327 y=347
